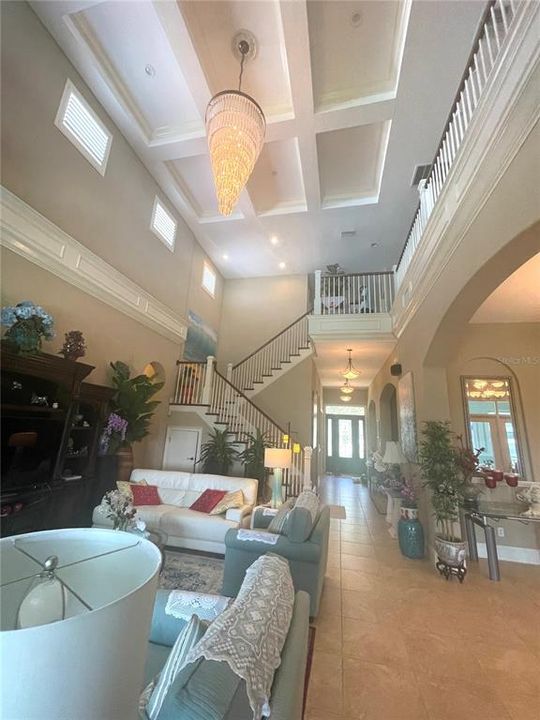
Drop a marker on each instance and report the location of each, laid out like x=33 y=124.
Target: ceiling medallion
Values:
x=235 y=128
x=350 y=372
x=346 y=388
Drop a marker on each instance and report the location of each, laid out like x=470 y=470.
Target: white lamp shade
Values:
x=277 y=458
x=90 y=665
x=393 y=454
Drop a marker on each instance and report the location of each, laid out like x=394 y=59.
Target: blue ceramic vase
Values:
x=411 y=534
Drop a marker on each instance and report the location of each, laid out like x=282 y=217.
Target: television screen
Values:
x=30 y=447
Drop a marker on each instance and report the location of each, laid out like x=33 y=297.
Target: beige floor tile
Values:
x=454 y=699
x=328 y=637
x=364 y=564
x=373 y=642
x=325 y=691
x=359 y=580
x=365 y=550
x=360 y=605
x=380 y=692
x=437 y=656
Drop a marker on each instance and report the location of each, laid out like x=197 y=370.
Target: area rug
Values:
x=194 y=572
x=337 y=512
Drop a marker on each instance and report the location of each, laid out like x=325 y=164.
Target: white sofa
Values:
x=184 y=527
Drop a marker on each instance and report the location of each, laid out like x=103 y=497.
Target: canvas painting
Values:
x=407 y=417
x=201 y=340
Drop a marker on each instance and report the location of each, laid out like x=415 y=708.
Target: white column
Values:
x=229 y=372
x=308 y=452
x=317 y=298
x=207 y=389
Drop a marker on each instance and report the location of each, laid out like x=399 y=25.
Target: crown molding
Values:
x=33 y=237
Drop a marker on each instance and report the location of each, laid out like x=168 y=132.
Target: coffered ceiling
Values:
x=355 y=96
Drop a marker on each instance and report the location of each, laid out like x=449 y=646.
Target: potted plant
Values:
x=132 y=402
x=442 y=475
x=410 y=530
x=218 y=453
x=27 y=325
x=253 y=457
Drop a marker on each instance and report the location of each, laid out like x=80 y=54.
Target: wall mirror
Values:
x=490 y=419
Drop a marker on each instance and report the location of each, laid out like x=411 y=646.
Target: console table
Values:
x=481 y=516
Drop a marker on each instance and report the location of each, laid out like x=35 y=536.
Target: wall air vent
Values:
x=420 y=173
x=348 y=234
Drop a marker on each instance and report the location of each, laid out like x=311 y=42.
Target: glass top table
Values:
x=481 y=516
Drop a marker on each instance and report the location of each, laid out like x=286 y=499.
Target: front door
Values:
x=181 y=448
x=345 y=445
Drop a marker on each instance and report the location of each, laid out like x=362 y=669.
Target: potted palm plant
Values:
x=218 y=453
x=132 y=402
x=253 y=457
x=442 y=475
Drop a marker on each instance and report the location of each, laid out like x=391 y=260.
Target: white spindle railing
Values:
x=496 y=24
x=269 y=357
x=200 y=383
x=354 y=294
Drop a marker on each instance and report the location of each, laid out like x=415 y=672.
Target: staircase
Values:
x=270 y=361
x=225 y=402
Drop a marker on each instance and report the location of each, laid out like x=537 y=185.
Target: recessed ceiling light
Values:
x=274 y=240
x=225 y=256
x=282 y=266
x=374 y=244
x=150 y=70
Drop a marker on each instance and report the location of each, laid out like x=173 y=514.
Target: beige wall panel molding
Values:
x=31 y=235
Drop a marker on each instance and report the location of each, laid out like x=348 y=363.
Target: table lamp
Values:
x=278 y=459
x=76 y=607
x=393 y=454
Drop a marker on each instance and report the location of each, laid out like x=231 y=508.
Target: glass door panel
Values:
x=345 y=443
x=482 y=438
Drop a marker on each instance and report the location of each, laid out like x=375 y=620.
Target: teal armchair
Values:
x=307 y=560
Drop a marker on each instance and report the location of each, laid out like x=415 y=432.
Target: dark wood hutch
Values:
x=51 y=425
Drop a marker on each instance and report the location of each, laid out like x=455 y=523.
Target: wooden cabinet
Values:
x=51 y=424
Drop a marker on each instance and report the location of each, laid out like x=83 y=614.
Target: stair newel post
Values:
x=308 y=452
x=208 y=378
x=317 y=298
x=229 y=372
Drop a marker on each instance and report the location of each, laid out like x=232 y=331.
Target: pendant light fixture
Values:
x=235 y=128
x=347 y=388
x=345 y=398
x=350 y=372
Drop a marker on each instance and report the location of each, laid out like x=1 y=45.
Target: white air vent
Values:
x=420 y=173
x=81 y=125
x=348 y=234
x=163 y=224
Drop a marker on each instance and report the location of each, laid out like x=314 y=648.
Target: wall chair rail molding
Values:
x=33 y=237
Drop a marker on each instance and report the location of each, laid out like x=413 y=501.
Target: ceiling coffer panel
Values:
x=214 y=25
x=276 y=184
x=356 y=50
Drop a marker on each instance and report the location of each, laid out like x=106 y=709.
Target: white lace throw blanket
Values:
x=184 y=604
x=257 y=536
x=249 y=635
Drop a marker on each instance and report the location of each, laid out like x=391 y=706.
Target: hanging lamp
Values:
x=345 y=398
x=350 y=372
x=347 y=388
x=235 y=129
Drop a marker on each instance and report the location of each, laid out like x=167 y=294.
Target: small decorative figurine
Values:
x=74 y=345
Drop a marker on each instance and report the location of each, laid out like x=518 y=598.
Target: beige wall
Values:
x=332 y=397
x=256 y=309
x=110 y=215
x=110 y=335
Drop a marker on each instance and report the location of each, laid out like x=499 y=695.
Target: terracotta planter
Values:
x=125 y=463
x=450 y=552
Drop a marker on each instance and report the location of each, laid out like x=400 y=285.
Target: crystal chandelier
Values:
x=350 y=372
x=345 y=398
x=347 y=388
x=235 y=128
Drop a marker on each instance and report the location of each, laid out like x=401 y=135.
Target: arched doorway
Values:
x=389 y=428
x=372 y=427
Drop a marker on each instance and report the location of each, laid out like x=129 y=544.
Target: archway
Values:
x=389 y=428
x=372 y=427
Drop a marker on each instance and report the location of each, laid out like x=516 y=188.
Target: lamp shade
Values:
x=91 y=664
x=277 y=458
x=393 y=455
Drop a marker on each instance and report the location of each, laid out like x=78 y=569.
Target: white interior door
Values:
x=181 y=448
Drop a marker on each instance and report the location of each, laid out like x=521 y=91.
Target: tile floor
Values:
x=395 y=641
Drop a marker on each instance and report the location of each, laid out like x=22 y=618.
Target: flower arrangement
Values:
x=113 y=435
x=119 y=508
x=467 y=460
x=27 y=325
x=409 y=498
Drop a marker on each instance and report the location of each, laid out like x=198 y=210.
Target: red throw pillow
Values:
x=145 y=495
x=208 y=500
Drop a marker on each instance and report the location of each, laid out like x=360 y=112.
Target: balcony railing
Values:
x=354 y=294
x=496 y=23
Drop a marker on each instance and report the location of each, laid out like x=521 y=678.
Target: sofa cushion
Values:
x=208 y=500
x=188 y=637
x=172 y=496
x=278 y=524
x=186 y=523
x=234 y=499
x=303 y=516
x=145 y=495
x=152 y=514
x=125 y=487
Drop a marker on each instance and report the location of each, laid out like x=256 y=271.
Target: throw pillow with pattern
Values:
x=125 y=487
x=233 y=499
x=145 y=495
x=278 y=523
x=208 y=501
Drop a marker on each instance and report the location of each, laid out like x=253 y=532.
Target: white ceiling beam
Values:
x=348 y=117
x=296 y=36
